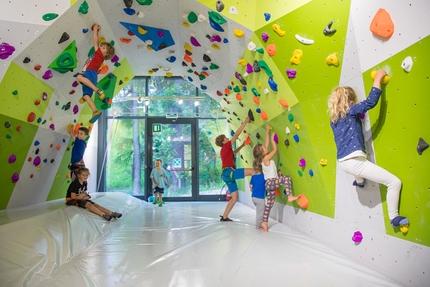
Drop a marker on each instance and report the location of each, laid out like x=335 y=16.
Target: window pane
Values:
x=126 y=106
x=125 y=156
x=209 y=160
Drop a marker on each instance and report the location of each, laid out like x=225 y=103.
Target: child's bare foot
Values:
x=292 y=198
x=265 y=226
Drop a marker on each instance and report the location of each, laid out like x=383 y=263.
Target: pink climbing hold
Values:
x=12 y=158
x=302 y=162
x=249 y=68
x=357 y=237
x=215 y=38
x=194 y=42
x=264 y=37
x=44 y=96
x=47 y=75
x=15 y=177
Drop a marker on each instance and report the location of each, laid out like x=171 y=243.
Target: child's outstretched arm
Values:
x=266 y=139
x=239 y=130
x=239 y=148
x=380 y=74
x=96 y=36
x=71 y=130
x=271 y=154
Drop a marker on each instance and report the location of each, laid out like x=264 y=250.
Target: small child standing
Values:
x=351 y=153
x=158 y=175
x=77 y=195
x=88 y=77
x=263 y=158
x=258 y=189
x=78 y=149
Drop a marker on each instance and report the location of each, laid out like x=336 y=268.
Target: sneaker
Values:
x=116 y=215
x=399 y=220
x=96 y=116
x=106 y=216
x=359 y=185
x=224 y=219
x=101 y=94
x=160 y=205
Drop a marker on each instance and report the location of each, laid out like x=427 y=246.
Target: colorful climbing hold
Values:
x=6 y=50
x=238 y=33
x=194 y=41
x=332 y=59
x=272 y=84
x=129 y=11
x=278 y=30
x=267 y=16
x=323 y=162
x=384 y=80
x=297 y=55
x=47 y=75
x=192 y=17
x=291 y=74
x=83 y=8
x=303 y=201
x=216 y=17
x=296 y=138
x=357 y=237
x=49 y=16
x=125 y=40
x=15 y=177
x=264 y=37
x=302 y=162
x=263 y=116
x=382 y=25
x=271 y=50
x=15 y=92
x=31 y=117
x=64 y=38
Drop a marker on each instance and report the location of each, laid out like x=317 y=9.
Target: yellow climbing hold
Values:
x=323 y=162
x=215 y=47
x=332 y=60
x=384 y=80
x=259 y=84
x=102 y=40
x=297 y=55
x=238 y=33
x=126 y=79
x=278 y=30
x=297 y=126
x=186 y=24
x=188 y=47
x=242 y=62
x=141 y=30
x=150 y=72
x=149 y=48
x=169 y=74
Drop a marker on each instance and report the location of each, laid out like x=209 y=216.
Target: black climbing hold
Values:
x=7 y=125
x=287 y=142
x=422 y=146
x=155 y=70
x=257 y=135
x=206 y=58
x=128 y=3
x=328 y=31
x=241 y=156
x=241 y=79
x=52 y=160
x=250 y=115
x=240 y=103
x=219 y=6
x=64 y=38
x=193 y=65
x=37 y=151
x=162 y=46
x=67 y=106
x=234 y=113
x=120 y=82
x=184 y=64
x=208 y=36
x=256 y=67
x=26 y=60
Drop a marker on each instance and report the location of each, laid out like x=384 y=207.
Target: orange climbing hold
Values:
x=104 y=70
x=125 y=40
x=188 y=59
x=303 y=201
x=204 y=74
x=238 y=97
x=226 y=91
x=283 y=103
x=256 y=100
x=382 y=25
x=271 y=50
x=264 y=116
x=247 y=140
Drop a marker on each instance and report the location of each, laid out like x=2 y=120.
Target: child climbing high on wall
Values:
x=263 y=160
x=351 y=153
x=88 y=77
x=78 y=149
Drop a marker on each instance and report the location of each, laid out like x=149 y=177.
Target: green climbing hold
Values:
x=202 y=77
x=190 y=71
x=66 y=61
x=216 y=17
x=57 y=103
x=15 y=92
x=300 y=173
x=214 y=66
x=83 y=8
x=112 y=43
x=236 y=89
x=91 y=51
x=254 y=91
x=8 y=136
x=263 y=65
x=192 y=17
x=260 y=50
x=117 y=64
x=49 y=16
x=43 y=122
x=290 y=117
x=144 y=2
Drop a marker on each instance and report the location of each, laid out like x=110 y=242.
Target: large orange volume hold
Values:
x=382 y=25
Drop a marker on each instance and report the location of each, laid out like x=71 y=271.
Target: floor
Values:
x=184 y=244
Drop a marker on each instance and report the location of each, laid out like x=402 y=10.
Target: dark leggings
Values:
x=271 y=185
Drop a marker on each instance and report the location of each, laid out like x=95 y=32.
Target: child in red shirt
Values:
x=88 y=78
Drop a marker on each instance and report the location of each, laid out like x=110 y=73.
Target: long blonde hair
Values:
x=338 y=103
x=257 y=151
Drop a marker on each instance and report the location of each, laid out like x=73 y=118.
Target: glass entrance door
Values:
x=173 y=142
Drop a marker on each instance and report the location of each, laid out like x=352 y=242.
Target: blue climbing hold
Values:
x=244 y=88
x=296 y=138
x=232 y=133
x=215 y=25
x=311 y=172
x=229 y=87
x=204 y=68
x=190 y=79
x=267 y=16
x=258 y=110
x=85 y=30
x=36 y=143
x=171 y=59
x=272 y=84
x=203 y=87
x=225 y=40
x=129 y=11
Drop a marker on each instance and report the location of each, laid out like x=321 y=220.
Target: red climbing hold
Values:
x=31 y=117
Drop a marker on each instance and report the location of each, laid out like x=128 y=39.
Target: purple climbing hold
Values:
x=264 y=37
x=194 y=42
x=291 y=73
x=52 y=126
x=361 y=116
x=215 y=38
x=275 y=138
x=114 y=59
x=6 y=50
x=15 y=177
x=357 y=237
x=36 y=161
x=47 y=75
x=44 y=96
x=160 y=33
x=75 y=109
x=249 y=68
x=75 y=84
x=11 y=159
x=302 y=162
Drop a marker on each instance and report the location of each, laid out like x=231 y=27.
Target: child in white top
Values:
x=263 y=158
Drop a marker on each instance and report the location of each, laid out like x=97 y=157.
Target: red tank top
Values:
x=227 y=155
x=96 y=62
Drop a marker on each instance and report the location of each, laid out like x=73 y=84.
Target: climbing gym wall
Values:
x=289 y=67
x=40 y=99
